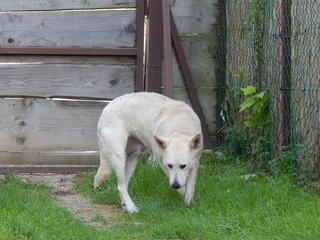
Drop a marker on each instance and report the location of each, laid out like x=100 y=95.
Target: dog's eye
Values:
x=170 y=166
x=183 y=166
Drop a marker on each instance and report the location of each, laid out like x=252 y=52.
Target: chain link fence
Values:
x=274 y=45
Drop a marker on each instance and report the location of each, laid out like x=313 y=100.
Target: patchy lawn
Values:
x=226 y=207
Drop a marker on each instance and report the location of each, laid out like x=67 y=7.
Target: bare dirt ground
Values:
x=96 y=215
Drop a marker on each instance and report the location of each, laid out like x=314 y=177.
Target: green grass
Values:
x=27 y=212
x=225 y=207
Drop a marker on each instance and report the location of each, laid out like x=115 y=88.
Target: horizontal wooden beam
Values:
x=50 y=5
x=65 y=169
x=49 y=158
x=69 y=51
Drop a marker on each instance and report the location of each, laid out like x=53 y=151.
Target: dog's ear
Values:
x=196 y=141
x=160 y=142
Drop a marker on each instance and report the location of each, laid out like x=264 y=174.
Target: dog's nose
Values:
x=175 y=184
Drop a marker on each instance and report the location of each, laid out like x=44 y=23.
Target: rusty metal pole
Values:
x=154 y=47
x=221 y=80
x=167 y=49
x=139 y=75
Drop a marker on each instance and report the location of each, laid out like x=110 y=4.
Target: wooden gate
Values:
x=62 y=61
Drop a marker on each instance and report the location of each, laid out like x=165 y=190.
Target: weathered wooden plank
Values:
x=99 y=28
x=23 y=5
x=41 y=59
x=202 y=59
x=195 y=16
x=36 y=125
x=69 y=51
x=66 y=80
x=49 y=158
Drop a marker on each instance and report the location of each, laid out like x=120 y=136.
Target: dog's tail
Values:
x=103 y=173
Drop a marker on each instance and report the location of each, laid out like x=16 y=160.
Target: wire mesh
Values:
x=274 y=45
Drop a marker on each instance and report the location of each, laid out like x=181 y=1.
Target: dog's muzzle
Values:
x=175 y=184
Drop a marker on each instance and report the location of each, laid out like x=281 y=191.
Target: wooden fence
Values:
x=62 y=61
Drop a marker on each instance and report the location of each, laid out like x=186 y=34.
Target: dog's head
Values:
x=178 y=155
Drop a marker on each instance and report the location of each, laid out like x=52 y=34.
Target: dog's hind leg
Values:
x=112 y=141
x=133 y=150
x=103 y=171
x=121 y=173
x=117 y=158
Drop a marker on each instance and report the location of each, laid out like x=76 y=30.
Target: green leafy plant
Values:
x=236 y=140
x=284 y=163
x=233 y=96
x=248 y=135
x=257 y=104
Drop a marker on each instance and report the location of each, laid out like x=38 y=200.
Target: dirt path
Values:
x=96 y=215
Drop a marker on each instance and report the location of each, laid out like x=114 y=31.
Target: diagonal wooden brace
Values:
x=188 y=81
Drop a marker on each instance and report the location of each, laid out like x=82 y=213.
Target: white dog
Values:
x=149 y=122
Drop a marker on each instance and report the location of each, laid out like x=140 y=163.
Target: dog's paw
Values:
x=96 y=189
x=129 y=208
x=96 y=184
x=188 y=199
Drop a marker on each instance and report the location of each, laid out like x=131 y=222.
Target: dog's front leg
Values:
x=191 y=182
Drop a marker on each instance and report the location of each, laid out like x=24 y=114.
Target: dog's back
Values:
x=143 y=114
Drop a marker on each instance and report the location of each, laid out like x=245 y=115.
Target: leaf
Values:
x=259 y=106
x=251 y=120
x=249 y=90
x=262 y=95
x=249 y=102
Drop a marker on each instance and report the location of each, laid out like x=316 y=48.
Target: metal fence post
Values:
x=221 y=80
x=284 y=128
